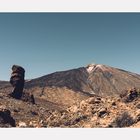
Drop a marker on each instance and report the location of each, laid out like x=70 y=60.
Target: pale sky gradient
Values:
x=48 y=42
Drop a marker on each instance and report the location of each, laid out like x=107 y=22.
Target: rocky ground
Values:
x=94 y=112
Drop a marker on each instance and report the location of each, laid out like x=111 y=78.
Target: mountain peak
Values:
x=92 y=67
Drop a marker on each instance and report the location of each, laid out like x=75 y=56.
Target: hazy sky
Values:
x=48 y=42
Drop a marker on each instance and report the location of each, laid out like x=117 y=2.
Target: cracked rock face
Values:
x=17 y=81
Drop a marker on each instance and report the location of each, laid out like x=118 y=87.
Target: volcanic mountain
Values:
x=82 y=97
x=68 y=87
x=93 y=79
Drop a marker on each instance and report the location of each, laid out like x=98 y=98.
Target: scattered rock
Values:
x=123 y=120
x=114 y=103
x=16 y=110
x=34 y=113
x=94 y=100
x=6 y=120
x=129 y=95
x=91 y=100
x=73 y=109
x=27 y=97
x=138 y=106
x=83 y=105
x=102 y=113
x=22 y=124
x=137 y=118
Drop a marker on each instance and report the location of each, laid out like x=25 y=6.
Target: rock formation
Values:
x=17 y=81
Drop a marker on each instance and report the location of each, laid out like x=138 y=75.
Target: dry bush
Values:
x=125 y=120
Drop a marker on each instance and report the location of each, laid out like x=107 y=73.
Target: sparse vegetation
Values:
x=124 y=120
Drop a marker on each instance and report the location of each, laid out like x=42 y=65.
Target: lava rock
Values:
x=17 y=81
x=27 y=97
x=103 y=112
x=114 y=104
x=6 y=120
x=138 y=106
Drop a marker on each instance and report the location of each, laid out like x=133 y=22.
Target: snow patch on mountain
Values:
x=92 y=67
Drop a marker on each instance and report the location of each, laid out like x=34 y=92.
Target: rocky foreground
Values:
x=94 y=112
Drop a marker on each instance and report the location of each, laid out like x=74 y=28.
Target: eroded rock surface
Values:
x=17 y=81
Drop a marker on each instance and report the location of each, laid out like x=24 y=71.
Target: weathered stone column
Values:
x=17 y=81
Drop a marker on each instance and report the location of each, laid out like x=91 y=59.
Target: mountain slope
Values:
x=93 y=79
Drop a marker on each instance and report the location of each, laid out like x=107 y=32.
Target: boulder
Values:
x=6 y=120
x=103 y=112
x=27 y=97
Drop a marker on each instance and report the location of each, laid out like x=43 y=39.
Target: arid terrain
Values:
x=95 y=96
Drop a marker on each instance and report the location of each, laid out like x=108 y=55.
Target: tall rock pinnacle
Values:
x=17 y=81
